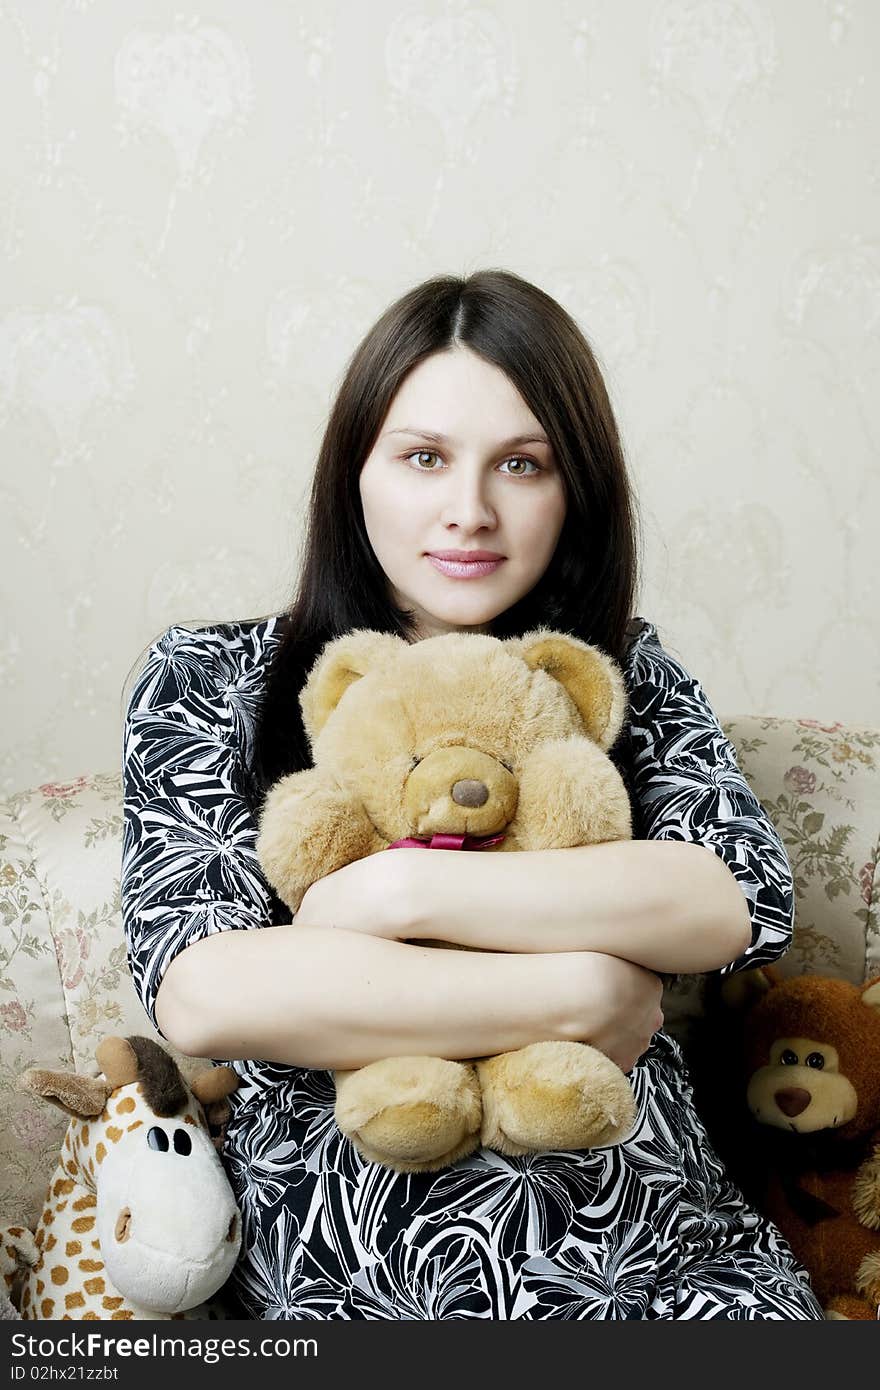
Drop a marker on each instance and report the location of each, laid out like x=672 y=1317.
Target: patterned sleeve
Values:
x=189 y=865
x=686 y=785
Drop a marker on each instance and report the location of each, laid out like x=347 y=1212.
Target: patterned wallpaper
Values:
x=203 y=211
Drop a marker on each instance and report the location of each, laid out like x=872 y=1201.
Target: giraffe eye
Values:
x=414 y=762
x=157 y=1139
x=504 y=764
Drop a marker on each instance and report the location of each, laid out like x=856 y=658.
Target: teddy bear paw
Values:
x=412 y=1114
x=554 y=1095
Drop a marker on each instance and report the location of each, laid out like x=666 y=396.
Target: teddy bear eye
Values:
x=816 y=1060
x=789 y=1058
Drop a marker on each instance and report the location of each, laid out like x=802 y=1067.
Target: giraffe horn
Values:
x=117 y=1060
x=213 y=1083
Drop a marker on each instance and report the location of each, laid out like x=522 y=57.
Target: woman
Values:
x=472 y=420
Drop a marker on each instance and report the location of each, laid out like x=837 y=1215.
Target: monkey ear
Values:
x=871 y=993
x=744 y=988
x=342 y=661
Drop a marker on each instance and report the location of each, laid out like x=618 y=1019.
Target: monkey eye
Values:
x=789 y=1058
x=816 y=1060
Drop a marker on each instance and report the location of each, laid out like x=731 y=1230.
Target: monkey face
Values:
x=801 y=1088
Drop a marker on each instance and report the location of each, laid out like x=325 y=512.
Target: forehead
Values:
x=459 y=394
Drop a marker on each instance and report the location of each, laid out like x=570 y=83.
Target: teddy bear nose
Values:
x=792 y=1100
x=470 y=793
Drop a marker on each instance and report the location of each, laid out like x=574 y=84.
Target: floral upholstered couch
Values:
x=65 y=984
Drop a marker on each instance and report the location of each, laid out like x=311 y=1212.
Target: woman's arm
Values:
x=667 y=906
x=308 y=997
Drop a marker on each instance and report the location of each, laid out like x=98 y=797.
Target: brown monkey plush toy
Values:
x=811 y=1056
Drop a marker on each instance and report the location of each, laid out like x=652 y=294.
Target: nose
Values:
x=792 y=1100
x=158 y=1139
x=468 y=507
x=469 y=792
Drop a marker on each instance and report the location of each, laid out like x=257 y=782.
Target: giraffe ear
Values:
x=76 y=1095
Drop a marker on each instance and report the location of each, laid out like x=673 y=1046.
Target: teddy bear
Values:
x=809 y=1054
x=139 y=1219
x=460 y=741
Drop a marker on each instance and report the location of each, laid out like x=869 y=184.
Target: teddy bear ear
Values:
x=590 y=678
x=342 y=661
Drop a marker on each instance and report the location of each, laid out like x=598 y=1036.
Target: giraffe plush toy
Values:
x=139 y=1219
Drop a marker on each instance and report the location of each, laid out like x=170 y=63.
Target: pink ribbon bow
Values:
x=449 y=842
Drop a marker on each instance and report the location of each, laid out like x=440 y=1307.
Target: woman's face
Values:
x=490 y=484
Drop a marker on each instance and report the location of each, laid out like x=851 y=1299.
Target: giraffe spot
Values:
x=87 y=1316
x=110 y=1303
x=40 y=1285
x=96 y=1244
x=125 y=1106
x=91 y=1266
x=93 y=1286
x=15 y=1230
x=188 y=1119
x=74 y=1300
x=12 y=1252
x=100 y=1152
x=59 y=1274
x=83 y=1203
x=48 y=1217
x=73 y=1247
x=62 y=1186
x=122 y=1315
x=114 y=1134
x=40 y=1236
x=135 y=1125
x=59 y=1206
x=71 y=1166
x=84 y=1135
x=91 y=1167
x=82 y=1224
x=104 y=1117
x=50 y=1242
x=47 y=1307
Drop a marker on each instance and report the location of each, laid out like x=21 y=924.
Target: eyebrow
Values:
x=437 y=438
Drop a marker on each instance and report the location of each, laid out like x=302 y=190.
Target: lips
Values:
x=460 y=567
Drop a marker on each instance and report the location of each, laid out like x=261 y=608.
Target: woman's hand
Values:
x=611 y=1003
x=366 y=896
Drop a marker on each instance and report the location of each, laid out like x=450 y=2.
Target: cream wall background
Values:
x=203 y=210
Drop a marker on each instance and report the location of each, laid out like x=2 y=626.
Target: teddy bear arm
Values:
x=570 y=794
x=310 y=826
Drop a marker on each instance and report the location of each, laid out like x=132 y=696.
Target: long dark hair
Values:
x=589 y=587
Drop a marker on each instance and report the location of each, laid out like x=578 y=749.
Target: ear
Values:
x=76 y=1095
x=871 y=994
x=592 y=680
x=342 y=661
x=745 y=987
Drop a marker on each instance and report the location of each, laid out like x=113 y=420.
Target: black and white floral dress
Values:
x=652 y=1228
